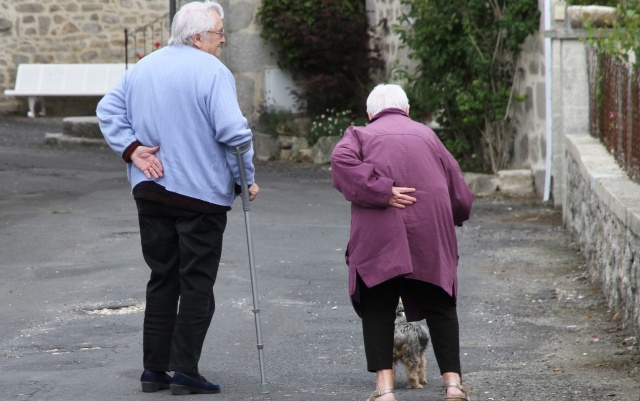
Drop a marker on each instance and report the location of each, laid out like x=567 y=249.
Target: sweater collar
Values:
x=387 y=112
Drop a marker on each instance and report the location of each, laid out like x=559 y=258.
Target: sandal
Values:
x=379 y=393
x=465 y=392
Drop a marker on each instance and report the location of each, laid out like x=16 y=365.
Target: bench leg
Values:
x=32 y=106
x=43 y=109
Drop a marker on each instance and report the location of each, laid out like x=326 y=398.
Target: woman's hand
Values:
x=399 y=199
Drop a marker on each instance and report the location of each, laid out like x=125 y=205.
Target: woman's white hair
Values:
x=193 y=18
x=386 y=96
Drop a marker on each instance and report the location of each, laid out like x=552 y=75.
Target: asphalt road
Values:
x=72 y=285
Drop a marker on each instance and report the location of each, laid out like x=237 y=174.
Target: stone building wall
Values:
x=383 y=16
x=66 y=31
x=246 y=54
x=528 y=115
x=92 y=31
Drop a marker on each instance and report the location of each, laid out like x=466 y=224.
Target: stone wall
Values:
x=528 y=115
x=66 y=31
x=92 y=31
x=246 y=54
x=383 y=15
x=601 y=210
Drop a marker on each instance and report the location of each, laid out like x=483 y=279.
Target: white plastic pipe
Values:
x=548 y=98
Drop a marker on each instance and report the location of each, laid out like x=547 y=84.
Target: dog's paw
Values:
x=414 y=385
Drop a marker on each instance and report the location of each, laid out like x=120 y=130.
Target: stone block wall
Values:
x=383 y=15
x=528 y=115
x=66 y=31
x=92 y=31
x=246 y=54
x=601 y=210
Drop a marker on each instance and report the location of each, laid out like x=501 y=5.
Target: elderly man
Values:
x=172 y=118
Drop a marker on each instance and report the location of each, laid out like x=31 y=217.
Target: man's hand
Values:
x=399 y=199
x=253 y=191
x=144 y=158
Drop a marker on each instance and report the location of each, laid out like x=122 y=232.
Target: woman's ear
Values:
x=369 y=116
x=407 y=109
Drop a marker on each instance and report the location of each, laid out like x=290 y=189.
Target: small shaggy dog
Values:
x=409 y=344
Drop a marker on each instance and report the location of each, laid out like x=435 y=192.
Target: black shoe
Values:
x=183 y=384
x=153 y=381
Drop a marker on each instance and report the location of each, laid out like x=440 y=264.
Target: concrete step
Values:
x=83 y=131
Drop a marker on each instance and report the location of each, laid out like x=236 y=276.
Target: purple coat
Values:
x=418 y=242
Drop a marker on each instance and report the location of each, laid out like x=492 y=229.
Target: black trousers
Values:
x=183 y=250
x=379 y=312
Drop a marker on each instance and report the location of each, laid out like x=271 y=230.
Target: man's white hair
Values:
x=193 y=18
x=386 y=96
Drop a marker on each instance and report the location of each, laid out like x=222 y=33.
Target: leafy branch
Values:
x=466 y=76
x=623 y=39
x=325 y=45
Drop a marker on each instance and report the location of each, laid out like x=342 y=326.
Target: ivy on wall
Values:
x=325 y=45
x=467 y=52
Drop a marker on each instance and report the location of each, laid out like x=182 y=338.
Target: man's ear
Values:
x=407 y=109
x=369 y=116
x=197 y=41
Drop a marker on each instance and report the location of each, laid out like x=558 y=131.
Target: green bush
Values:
x=325 y=45
x=610 y=3
x=467 y=52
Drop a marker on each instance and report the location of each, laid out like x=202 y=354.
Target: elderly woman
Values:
x=407 y=194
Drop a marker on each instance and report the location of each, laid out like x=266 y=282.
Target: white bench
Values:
x=38 y=80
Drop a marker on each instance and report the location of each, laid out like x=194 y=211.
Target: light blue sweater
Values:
x=183 y=100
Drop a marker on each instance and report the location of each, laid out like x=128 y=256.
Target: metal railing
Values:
x=145 y=39
x=614 y=109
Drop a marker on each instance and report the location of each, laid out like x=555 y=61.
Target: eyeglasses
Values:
x=220 y=32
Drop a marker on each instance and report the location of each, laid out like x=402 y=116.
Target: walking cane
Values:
x=239 y=151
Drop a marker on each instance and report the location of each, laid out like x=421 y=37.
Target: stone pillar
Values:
x=570 y=102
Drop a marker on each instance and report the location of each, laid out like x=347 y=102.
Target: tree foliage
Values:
x=467 y=52
x=610 y=3
x=325 y=45
x=623 y=39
